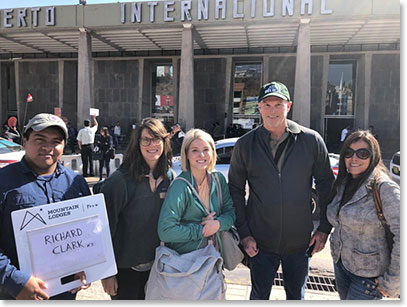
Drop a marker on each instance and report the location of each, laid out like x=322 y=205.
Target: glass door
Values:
x=246 y=85
x=162 y=106
x=340 y=102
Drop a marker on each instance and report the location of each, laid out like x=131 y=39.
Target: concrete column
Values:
x=20 y=102
x=228 y=93
x=186 y=115
x=302 y=89
x=175 y=69
x=368 y=87
x=141 y=89
x=61 y=84
x=85 y=73
x=266 y=70
x=325 y=69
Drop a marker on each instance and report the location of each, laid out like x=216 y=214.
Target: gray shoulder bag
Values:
x=232 y=255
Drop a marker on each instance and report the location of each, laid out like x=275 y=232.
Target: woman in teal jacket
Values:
x=184 y=223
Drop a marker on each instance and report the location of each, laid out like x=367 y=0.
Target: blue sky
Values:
x=31 y=3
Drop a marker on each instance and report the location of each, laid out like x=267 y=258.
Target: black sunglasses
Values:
x=362 y=153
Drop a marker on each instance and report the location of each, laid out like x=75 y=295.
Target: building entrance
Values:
x=333 y=131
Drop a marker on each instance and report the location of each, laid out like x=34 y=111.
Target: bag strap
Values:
x=218 y=189
x=378 y=204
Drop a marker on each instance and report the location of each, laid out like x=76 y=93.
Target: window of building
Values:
x=162 y=106
x=340 y=95
x=246 y=85
x=340 y=102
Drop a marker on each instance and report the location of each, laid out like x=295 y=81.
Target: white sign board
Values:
x=56 y=241
x=94 y=112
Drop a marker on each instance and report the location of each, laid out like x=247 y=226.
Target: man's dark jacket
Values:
x=278 y=211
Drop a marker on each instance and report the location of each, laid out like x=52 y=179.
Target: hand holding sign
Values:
x=33 y=290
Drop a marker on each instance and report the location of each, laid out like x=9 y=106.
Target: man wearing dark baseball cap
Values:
x=38 y=179
x=279 y=159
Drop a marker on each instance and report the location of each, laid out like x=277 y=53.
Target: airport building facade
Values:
x=198 y=62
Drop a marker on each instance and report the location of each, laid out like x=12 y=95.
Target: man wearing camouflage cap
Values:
x=279 y=159
x=38 y=179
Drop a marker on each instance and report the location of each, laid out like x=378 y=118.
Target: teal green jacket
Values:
x=179 y=224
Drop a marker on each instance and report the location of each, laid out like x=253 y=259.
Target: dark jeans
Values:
x=106 y=163
x=131 y=284
x=264 y=266
x=116 y=141
x=86 y=156
x=71 y=145
x=353 y=287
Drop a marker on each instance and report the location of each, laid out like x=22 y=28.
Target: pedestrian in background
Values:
x=86 y=139
x=184 y=224
x=278 y=159
x=344 y=133
x=116 y=134
x=373 y=132
x=365 y=268
x=134 y=195
x=105 y=144
x=72 y=134
x=177 y=137
x=38 y=179
x=11 y=131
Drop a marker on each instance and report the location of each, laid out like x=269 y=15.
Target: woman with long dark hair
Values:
x=105 y=143
x=366 y=268
x=134 y=195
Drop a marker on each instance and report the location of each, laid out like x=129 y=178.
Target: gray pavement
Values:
x=238 y=288
x=238 y=280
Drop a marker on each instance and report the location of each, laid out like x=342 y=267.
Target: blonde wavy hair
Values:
x=191 y=136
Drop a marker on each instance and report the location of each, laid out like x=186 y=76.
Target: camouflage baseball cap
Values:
x=44 y=120
x=274 y=89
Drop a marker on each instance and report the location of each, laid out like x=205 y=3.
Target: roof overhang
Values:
x=56 y=29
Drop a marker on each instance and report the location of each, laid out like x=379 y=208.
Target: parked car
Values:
x=224 y=149
x=395 y=167
x=10 y=152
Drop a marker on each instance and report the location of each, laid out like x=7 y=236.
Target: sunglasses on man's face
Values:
x=362 y=153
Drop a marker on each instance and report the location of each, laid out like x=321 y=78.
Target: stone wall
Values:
x=40 y=79
x=70 y=93
x=282 y=69
x=209 y=87
x=384 y=112
x=116 y=92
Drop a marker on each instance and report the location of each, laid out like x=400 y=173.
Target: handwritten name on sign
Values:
x=56 y=247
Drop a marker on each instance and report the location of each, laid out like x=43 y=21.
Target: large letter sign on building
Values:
x=56 y=241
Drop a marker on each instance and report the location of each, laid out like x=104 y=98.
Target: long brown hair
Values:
x=133 y=159
x=376 y=165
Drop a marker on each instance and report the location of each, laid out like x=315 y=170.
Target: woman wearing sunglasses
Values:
x=365 y=268
x=134 y=195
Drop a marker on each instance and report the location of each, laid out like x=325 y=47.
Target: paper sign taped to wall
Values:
x=58 y=240
x=94 y=112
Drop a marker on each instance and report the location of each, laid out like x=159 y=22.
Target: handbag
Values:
x=232 y=254
x=97 y=153
x=196 y=275
x=379 y=210
x=112 y=153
